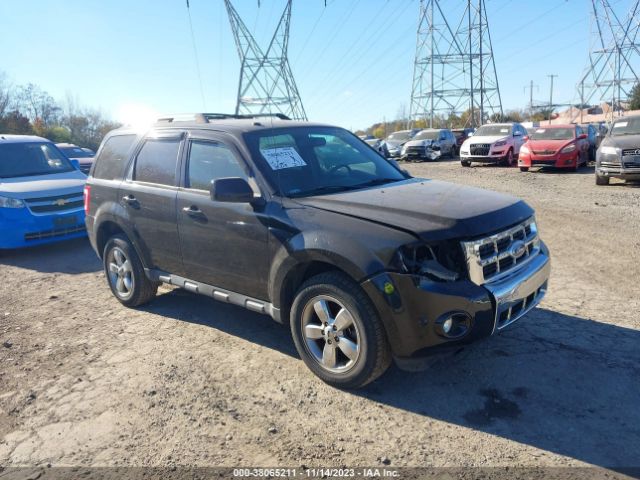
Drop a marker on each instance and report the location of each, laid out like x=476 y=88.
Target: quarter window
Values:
x=209 y=161
x=113 y=158
x=157 y=162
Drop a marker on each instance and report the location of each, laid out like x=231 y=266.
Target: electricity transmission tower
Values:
x=454 y=69
x=614 y=57
x=266 y=83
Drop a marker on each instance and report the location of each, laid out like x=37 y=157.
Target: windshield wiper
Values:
x=319 y=191
x=374 y=182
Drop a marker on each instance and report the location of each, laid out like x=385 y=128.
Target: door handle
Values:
x=193 y=210
x=130 y=200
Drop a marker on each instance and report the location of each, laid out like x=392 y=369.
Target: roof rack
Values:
x=208 y=117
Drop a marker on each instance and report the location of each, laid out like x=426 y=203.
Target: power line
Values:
x=195 y=54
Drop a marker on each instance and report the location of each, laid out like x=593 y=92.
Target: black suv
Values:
x=619 y=153
x=306 y=223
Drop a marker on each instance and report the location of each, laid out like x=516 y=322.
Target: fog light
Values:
x=447 y=325
x=453 y=325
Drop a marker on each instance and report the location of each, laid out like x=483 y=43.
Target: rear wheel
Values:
x=465 y=163
x=125 y=273
x=600 y=180
x=338 y=333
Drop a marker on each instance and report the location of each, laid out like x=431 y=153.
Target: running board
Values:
x=220 y=294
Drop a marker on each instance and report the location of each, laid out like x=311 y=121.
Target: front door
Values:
x=223 y=244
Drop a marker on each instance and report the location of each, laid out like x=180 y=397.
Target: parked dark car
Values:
x=619 y=153
x=461 y=135
x=305 y=223
x=84 y=156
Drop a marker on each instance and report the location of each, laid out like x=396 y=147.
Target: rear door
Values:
x=149 y=198
x=223 y=244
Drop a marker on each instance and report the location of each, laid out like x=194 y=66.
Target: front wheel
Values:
x=338 y=332
x=600 y=180
x=524 y=169
x=465 y=163
x=509 y=159
x=125 y=273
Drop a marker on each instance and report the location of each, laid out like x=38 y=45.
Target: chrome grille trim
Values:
x=485 y=255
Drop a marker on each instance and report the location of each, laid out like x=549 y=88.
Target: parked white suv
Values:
x=493 y=143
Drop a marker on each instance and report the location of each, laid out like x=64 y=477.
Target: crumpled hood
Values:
x=43 y=185
x=419 y=143
x=430 y=209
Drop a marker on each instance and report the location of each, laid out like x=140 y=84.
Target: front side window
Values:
x=302 y=161
x=113 y=158
x=157 y=162
x=30 y=159
x=209 y=161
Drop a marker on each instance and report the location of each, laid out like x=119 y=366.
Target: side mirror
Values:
x=526 y=138
x=232 y=190
x=582 y=136
x=517 y=134
x=75 y=163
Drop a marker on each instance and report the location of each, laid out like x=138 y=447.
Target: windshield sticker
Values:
x=282 y=157
x=504 y=130
x=620 y=124
x=542 y=130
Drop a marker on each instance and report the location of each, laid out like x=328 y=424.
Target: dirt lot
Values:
x=188 y=381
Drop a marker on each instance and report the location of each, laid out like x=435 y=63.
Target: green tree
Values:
x=634 y=98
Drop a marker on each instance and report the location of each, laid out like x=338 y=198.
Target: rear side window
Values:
x=113 y=158
x=157 y=162
x=209 y=161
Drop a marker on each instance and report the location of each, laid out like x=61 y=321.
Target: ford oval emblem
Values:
x=517 y=249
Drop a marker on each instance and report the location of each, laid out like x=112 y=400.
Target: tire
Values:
x=125 y=274
x=524 y=169
x=602 y=180
x=465 y=163
x=509 y=159
x=361 y=353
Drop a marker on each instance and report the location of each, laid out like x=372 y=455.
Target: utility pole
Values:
x=551 y=96
x=530 y=87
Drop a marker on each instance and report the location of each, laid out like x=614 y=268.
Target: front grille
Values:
x=514 y=310
x=480 y=149
x=58 y=203
x=631 y=152
x=544 y=152
x=60 y=232
x=631 y=166
x=495 y=256
x=543 y=162
x=415 y=150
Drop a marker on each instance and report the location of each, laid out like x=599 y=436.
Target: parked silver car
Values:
x=430 y=144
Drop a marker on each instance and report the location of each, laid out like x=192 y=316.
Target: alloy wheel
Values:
x=120 y=272
x=331 y=334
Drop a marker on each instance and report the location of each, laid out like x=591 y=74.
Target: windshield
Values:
x=626 y=126
x=306 y=161
x=27 y=159
x=493 y=130
x=553 y=134
x=75 y=152
x=427 y=135
x=400 y=136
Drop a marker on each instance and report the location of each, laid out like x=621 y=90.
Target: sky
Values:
x=352 y=60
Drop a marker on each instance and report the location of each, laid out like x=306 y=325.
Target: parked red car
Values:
x=561 y=146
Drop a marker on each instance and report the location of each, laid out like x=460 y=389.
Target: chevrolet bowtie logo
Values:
x=60 y=202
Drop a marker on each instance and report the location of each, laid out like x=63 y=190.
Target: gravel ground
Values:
x=188 y=381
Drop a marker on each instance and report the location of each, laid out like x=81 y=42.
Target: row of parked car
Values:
x=616 y=150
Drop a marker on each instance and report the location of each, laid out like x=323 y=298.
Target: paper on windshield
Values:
x=504 y=130
x=282 y=157
x=542 y=130
x=620 y=124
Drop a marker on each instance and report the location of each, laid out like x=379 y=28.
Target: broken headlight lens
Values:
x=442 y=262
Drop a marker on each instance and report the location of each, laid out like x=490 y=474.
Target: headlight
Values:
x=501 y=143
x=524 y=149
x=568 y=148
x=8 y=202
x=443 y=262
x=609 y=150
x=404 y=150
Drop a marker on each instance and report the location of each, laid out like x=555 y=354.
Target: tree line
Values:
x=30 y=110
